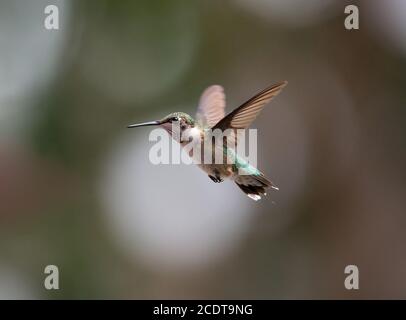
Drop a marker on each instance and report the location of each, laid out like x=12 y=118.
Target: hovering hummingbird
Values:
x=211 y=115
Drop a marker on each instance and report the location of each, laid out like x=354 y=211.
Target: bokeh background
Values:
x=77 y=189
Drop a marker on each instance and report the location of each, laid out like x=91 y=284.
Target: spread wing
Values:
x=211 y=106
x=245 y=114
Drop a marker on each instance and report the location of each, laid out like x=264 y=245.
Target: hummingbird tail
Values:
x=254 y=186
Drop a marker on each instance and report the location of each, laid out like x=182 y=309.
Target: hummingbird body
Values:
x=211 y=116
x=252 y=181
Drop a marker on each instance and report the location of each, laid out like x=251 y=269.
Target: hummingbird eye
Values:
x=175 y=119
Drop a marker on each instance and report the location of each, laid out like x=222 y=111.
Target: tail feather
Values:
x=254 y=186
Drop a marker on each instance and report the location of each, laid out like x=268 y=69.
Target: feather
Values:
x=244 y=115
x=211 y=106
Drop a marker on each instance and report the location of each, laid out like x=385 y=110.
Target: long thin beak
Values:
x=144 y=124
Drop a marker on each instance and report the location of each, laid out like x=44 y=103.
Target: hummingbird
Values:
x=210 y=116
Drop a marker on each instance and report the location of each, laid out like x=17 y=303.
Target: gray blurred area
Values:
x=77 y=189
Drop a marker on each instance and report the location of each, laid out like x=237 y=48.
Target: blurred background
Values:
x=77 y=189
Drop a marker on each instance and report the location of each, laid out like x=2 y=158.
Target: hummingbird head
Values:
x=174 y=120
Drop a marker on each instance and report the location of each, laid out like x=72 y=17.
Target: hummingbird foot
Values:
x=216 y=179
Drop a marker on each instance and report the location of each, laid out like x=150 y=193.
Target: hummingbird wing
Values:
x=244 y=115
x=211 y=106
